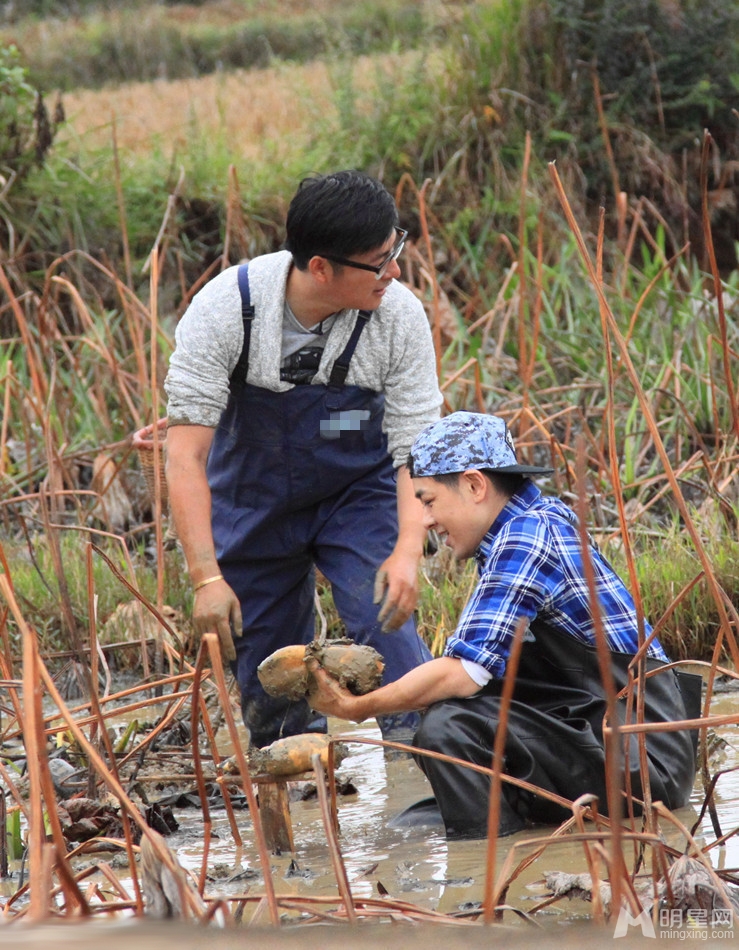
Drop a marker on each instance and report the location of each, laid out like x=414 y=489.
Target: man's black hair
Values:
x=507 y=483
x=341 y=214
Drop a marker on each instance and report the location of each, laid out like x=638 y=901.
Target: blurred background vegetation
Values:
x=185 y=127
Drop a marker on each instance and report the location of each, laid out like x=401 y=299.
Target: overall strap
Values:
x=341 y=366
x=237 y=379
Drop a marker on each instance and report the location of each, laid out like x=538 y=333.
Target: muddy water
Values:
x=418 y=864
x=726 y=794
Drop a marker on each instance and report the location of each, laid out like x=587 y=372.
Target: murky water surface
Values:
x=418 y=864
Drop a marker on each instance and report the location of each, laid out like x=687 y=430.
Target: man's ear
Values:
x=320 y=269
x=476 y=483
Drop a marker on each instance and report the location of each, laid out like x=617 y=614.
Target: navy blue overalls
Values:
x=303 y=478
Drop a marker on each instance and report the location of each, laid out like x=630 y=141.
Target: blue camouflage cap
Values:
x=465 y=440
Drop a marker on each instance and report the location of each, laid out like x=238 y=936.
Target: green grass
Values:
x=37 y=584
x=149 y=41
x=75 y=360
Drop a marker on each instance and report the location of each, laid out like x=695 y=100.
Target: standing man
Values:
x=296 y=388
x=478 y=498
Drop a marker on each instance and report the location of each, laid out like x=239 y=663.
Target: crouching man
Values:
x=529 y=557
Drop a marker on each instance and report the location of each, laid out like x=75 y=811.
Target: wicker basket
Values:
x=143 y=442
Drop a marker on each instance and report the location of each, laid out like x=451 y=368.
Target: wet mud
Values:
x=414 y=864
x=417 y=863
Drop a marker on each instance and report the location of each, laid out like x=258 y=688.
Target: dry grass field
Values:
x=268 y=110
x=223 y=12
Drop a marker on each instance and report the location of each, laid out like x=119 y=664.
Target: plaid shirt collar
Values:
x=518 y=503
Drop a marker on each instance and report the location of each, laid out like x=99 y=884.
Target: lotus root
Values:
x=357 y=667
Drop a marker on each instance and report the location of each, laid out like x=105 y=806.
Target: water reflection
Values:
x=726 y=794
x=418 y=864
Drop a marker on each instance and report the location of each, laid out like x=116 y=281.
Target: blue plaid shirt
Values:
x=530 y=565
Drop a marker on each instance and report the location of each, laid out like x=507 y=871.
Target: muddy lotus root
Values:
x=358 y=668
x=284 y=673
x=293 y=755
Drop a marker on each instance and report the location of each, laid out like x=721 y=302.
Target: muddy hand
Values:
x=325 y=695
x=217 y=610
x=396 y=601
x=381 y=597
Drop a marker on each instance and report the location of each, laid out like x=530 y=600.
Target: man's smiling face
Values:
x=449 y=510
x=355 y=288
x=461 y=513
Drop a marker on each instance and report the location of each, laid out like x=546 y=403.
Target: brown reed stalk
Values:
x=38 y=384
x=725 y=626
x=696 y=851
x=332 y=794
x=668 y=265
x=38 y=908
x=541 y=843
x=615 y=183
x=538 y=300
x=197 y=762
x=436 y=321
x=234 y=218
x=472 y=361
x=41 y=785
x=199 y=704
x=721 y=839
x=120 y=710
x=423 y=217
x=333 y=845
x=479 y=400
x=156 y=611
x=50 y=526
x=161 y=241
x=491 y=896
x=48 y=512
x=177 y=701
x=640 y=660
x=98 y=728
x=105 y=350
x=34 y=674
x=211 y=643
x=677 y=725
x=94 y=671
x=6 y=656
x=613 y=751
x=500 y=304
x=178 y=698
x=453 y=760
x=524 y=361
x=717 y=286
x=154 y=388
x=5 y=421
x=217 y=759
x=121 y=202
x=116 y=788
x=636 y=225
x=591 y=856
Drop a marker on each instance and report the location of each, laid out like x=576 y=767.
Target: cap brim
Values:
x=521 y=470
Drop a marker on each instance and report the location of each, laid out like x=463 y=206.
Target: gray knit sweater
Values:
x=394 y=356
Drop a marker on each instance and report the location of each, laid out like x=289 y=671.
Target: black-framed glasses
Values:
x=377 y=269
